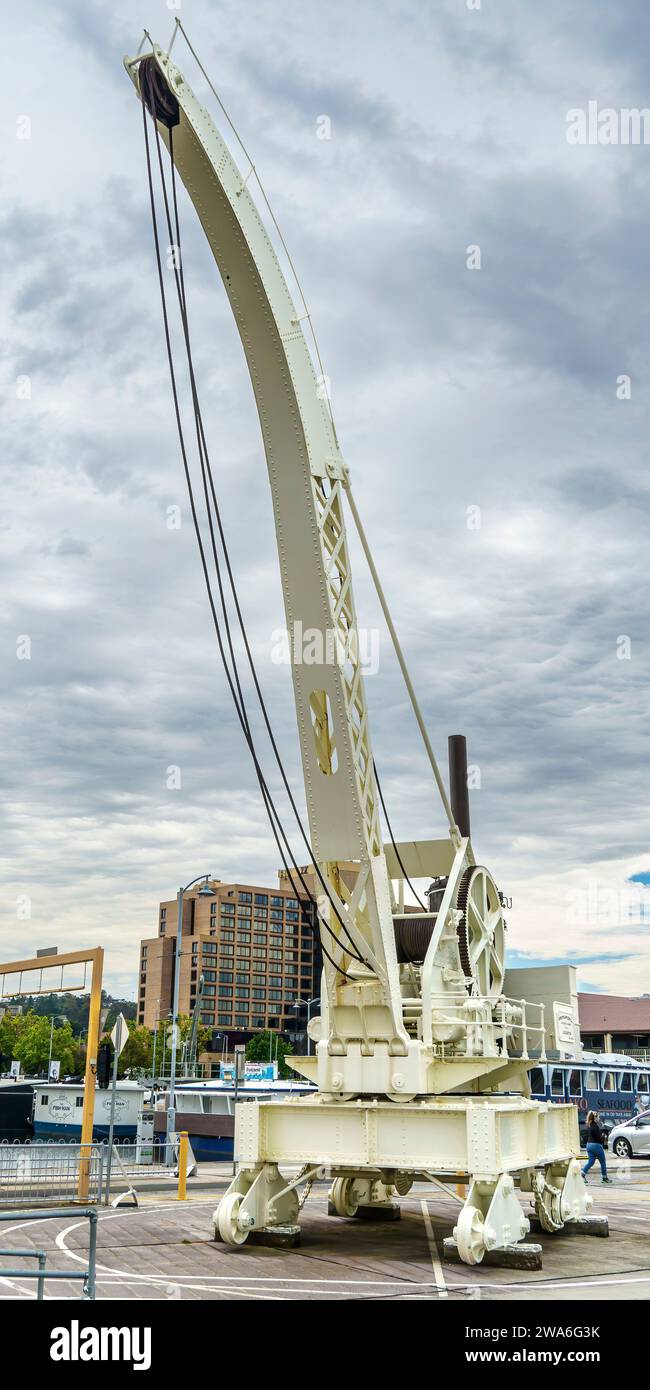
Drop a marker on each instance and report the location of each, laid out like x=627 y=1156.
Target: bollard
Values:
x=182 y=1166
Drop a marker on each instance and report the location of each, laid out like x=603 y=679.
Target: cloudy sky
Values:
x=453 y=388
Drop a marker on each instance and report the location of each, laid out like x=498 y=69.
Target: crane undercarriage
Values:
x=421 y=1061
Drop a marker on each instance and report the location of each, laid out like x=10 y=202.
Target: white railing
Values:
x=51 y=1171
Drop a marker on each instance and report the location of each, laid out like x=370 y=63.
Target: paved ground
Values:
x=164 y=1250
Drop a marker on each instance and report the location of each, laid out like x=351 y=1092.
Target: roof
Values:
x=613 y=1013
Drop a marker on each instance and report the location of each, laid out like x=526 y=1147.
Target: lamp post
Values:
x=49 y=1060
x=204 y=892
x=298 y=1005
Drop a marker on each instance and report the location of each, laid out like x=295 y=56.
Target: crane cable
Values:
x=254 y=170
x=392 y=838
x=205 y=468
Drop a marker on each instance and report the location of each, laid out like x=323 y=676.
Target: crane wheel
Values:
x=226 y=1220
x=468 y=1234
x=342 y=1197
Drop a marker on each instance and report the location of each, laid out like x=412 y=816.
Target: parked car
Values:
x=632 y=1139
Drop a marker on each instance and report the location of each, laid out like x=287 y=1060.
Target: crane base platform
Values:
x=372 y=1150
x=527 y=1255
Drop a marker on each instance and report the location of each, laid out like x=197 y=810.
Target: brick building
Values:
x=254 y=947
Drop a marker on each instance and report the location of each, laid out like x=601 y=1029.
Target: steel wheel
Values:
x=469 y=1236
x=342 y=1197
x=227 y=1213
x=481 y=932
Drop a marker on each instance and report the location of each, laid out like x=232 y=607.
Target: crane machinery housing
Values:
x=421 y=1061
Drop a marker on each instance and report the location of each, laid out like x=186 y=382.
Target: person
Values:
x=595 y=1146
x=639 y=1105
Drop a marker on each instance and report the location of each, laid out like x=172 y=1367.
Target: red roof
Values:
x=613 y=1013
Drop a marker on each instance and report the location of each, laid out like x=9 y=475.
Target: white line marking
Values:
x=433 y=1251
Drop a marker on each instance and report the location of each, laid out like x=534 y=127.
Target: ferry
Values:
x=206 y=1110
x=58 y=1109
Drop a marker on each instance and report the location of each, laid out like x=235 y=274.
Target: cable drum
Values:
x=412 y=936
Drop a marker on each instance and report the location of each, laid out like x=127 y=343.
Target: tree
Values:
x=137 y=1053
x=32 y=1047
x=266 y=1047
x=11 y=1028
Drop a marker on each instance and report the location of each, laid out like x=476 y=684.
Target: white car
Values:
x=632 y=1139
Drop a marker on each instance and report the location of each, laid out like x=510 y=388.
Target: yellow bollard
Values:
x=182 y=1165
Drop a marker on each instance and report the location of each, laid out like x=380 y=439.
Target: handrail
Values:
x=86 y=1276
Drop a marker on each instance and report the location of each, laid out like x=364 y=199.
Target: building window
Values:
x=227 y=950
x=277 y=902
x=242 y=992
x=241 y=1021
x=259 y=994
x=209 y=974
x=245 y=897
x=261 y=899
x=227 y=908
x=225 y=977
x=275 y=994
x=209 y=989
x=225 y=992
x=257 y=1022
x=242 y=980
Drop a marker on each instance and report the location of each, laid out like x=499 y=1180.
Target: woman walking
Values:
x=595 y=1146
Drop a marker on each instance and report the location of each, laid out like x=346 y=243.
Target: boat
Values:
x=205 y=1110
x=58 y=1108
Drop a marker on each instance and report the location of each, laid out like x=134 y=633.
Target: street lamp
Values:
x=205 y=891
x=298 y=1005
x=52 y=1019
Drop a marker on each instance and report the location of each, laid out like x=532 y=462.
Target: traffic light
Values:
x=104 y=1054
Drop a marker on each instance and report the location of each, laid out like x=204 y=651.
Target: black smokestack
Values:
x=459 y=794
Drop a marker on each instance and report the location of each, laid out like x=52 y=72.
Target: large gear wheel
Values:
x=481 y=932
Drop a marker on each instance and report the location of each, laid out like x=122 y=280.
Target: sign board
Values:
x=14 y=1070
x=253 y=1071
x=54 y=1070
x=120 y=1034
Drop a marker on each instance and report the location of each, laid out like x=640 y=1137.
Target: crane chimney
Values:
x=459 y=794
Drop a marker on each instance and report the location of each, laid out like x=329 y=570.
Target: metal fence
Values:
x=42 y=1273
x=42 y=1173
x=133 y=1163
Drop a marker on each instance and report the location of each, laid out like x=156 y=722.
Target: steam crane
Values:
x=421 y=1061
